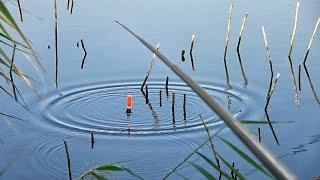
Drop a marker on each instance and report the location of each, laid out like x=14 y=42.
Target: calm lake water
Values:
x=93 y=99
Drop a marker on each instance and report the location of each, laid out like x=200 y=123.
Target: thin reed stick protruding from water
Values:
x=184 y=105
x=183 y=52
x=68 y=159
x=20 y=10
x=269 y=58
x=226 y=48
x=147 y=94
x=71 y=10
x=85 y=53
x=310 y=42
x=193 y=38
x=172 y=107
x=259 y=133
x=232 y=173
x=299 y=77
x=293 y=34
x=314 y=93
x=295 y=87
x=160 y=98
x=68 y=4
x=56 y=40
x=270 y=92
x=245 y=80
x=150 y=67
x=244 y=21
x=92 y=140
x=167 y=88
x=192 y=62
x=270 y=89
x=11 y=76
x=210 y=140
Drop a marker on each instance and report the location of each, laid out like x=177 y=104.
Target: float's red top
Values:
x=129 y=101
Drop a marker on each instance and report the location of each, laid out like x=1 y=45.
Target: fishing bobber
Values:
x=129 y=103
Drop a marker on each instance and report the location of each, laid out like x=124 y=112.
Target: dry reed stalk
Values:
x=150 y=67
x=293 y=34
x=310 y=42
x=226 y=48
x=210 y=140
x=85 y=53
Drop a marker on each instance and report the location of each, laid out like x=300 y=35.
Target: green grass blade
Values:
x=215 y=166
x=114 y=167
x=245 y=157
x=108 y=167
x=204 y=172
x=241 y=177
x=191 y=154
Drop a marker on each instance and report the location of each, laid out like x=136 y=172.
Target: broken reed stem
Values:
x=71 y=10
x=311 y=40
x=259 y=133
x=183 y=52
x=184 y=105
x=167 y=89
x=56 y=40
x=299 y=76
x=11 y=76
x=192 y=63
x=271 y=87
x=293 y=34
x=160 y=98
x=172 y=107
x=92 y=140
x=295 y=87
x=85 y=53
x=267 y=104
x=68 y=159
x=193 y=37
x=147 y=94
x=241 y=30
x=20 y=10
x=68 y=4
x=210 y=140
x=190 y=53
x=245 y=80
x=150 y=67
x=269 y=58
x=226 y=47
